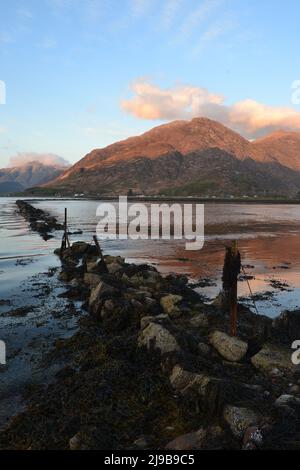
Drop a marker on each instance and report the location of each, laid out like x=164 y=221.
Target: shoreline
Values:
x=203 y=200
x=151 y=366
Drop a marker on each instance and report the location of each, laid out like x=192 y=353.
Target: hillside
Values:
x=198 y=157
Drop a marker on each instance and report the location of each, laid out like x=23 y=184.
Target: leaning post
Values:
x=231 y=270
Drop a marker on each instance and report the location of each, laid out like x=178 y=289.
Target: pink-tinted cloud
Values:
x=46 y=158
x=249 y=117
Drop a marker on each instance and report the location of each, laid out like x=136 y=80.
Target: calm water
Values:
x=269 y=241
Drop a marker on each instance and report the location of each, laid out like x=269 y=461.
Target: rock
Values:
x=288 y=323
x=231 y=348
x=91 y=279
x=79 y=248
x=270 y=358
x=114 y=268
x=199 y=320
x=63 y=276
x=204 y=349
x=209 y=438
x=151 y=278
x=146 y=320
x=287 y=400
x=239 y=419
x=191 y=441
x=92 y=266
x=209 y=389
x=158 y=337
x=295 y=390
x=169 y=304
x=142 y=443
x=253 y=438
x=75 y=442
x=100 y=293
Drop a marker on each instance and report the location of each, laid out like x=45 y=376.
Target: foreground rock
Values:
x=239 y=419
x=232 y=349
x=271 y=358
x=152 y=367
x=155 y=336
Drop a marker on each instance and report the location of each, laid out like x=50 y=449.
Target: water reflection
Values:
x=268 y=237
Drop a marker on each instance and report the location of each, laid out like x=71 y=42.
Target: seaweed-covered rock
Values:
x=169 y=304
x=157 y=337
x=288 y=325
x=239 y=419
x=199 y=320
x=208 y=390
x=271 y=357
x=100 y=293
x=79 y=248
x=92 y=279
x=232 y=349
x=287 y=400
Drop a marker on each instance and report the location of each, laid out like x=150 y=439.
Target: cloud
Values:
x=249 y=117
x=3 y=130
x=51 y=159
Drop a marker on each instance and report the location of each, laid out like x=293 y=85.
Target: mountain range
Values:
x=200 y=157
x=16 y=179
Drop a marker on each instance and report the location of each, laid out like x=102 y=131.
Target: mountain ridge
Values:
x=111 y=169
x=18 y=178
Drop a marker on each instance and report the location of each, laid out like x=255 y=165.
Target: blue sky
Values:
x=81 y=74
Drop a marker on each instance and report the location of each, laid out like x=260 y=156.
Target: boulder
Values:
x=79 y=248
x=199 y=320
x=158 y=337
x=99 y=294
x=209 y=390
x=239 y=419
x=231 y=348
x=253 y=438
x=169 y=304
x=287 y=400
x=92 y=266
x=288 y=324
x=114 y=268
x=91 y=279
x=270 y=358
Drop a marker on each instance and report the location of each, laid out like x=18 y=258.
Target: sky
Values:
x=80 y=74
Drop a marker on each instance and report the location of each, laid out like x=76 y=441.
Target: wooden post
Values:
x=65 y=239
x=66 y=228
x=231 y=270
x=103 y=263
x=233 y=297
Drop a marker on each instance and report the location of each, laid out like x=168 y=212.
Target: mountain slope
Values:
x=283 y=147
x=30 y=174
x=184 y=154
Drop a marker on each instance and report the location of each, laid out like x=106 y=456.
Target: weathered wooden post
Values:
x=103 y=263
x=231 y=270
x=65 y=239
